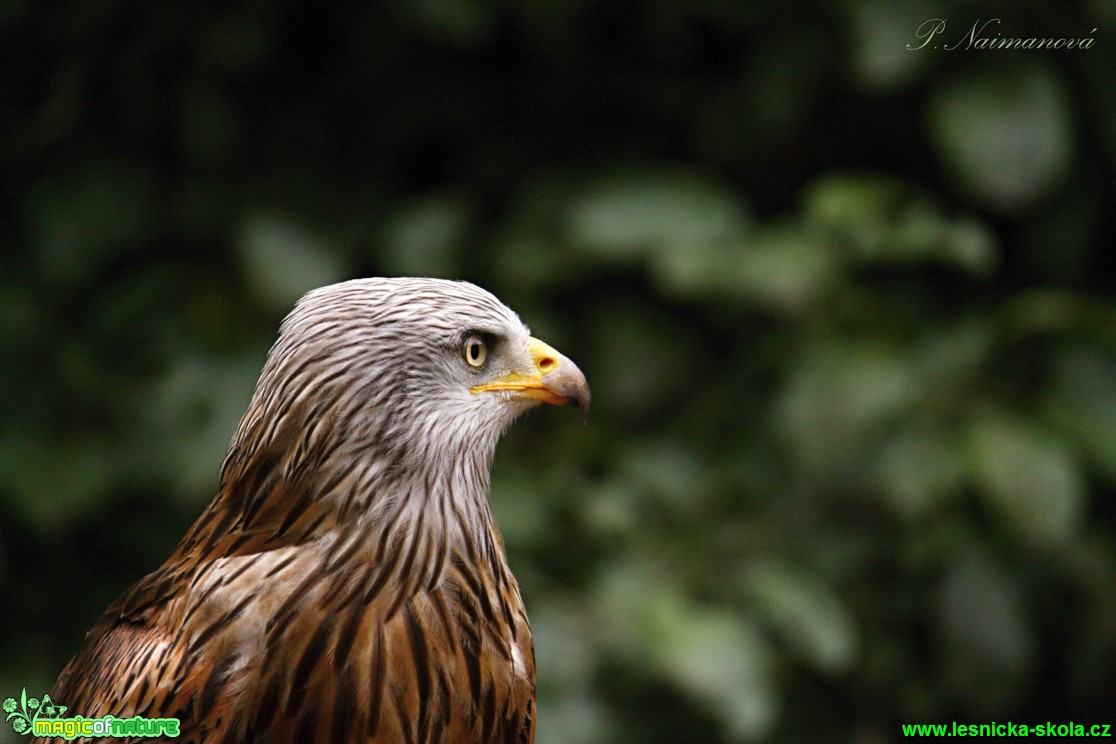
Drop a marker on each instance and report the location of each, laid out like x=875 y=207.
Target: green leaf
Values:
x=725 y=662
x=1004 y=133
x=422 y=238
x=837 y=401
x=1083 y=402
x=634 y=214
x=668 y=469
x=284 y=260
x=806 y=613
x=854 y=205
x=567 y=653
x=879 y=62
x=972 y=246
x=918 y=470
x=59 y=481
x=785 y=270
x=190 y=413
x=523 y=520
x=527 y=260
x=987 y=639
x=880 y=219
x=576 y=717
x=718 y=658
x=782 y=269
x=1031 y=480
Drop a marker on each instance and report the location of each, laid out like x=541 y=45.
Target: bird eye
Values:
x=475 y=350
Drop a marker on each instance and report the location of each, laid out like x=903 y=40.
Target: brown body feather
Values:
x=339 y=588
x=353 y=650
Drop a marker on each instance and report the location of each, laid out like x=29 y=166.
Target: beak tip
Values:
x=564 y=383
x=582 y=398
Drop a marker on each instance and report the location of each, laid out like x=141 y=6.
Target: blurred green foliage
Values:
x=847 y=309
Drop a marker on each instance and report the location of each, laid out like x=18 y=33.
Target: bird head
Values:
x=410 y=370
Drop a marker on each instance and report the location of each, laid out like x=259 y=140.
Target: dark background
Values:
x=847 y=309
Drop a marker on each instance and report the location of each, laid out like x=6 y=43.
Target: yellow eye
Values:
x=475 y=350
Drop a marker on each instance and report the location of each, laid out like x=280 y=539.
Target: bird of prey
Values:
x=347 y=583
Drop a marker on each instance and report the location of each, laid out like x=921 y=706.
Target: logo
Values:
x=43 y=718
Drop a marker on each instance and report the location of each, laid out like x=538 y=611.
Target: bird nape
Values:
x=347 y=583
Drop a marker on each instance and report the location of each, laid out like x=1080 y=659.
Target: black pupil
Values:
x=474 y=350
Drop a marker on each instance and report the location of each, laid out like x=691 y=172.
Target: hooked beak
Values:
x=553 y=378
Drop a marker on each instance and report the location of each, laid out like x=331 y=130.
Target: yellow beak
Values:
x=553 y=379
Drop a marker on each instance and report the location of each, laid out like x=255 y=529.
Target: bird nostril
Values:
x=546 y=364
